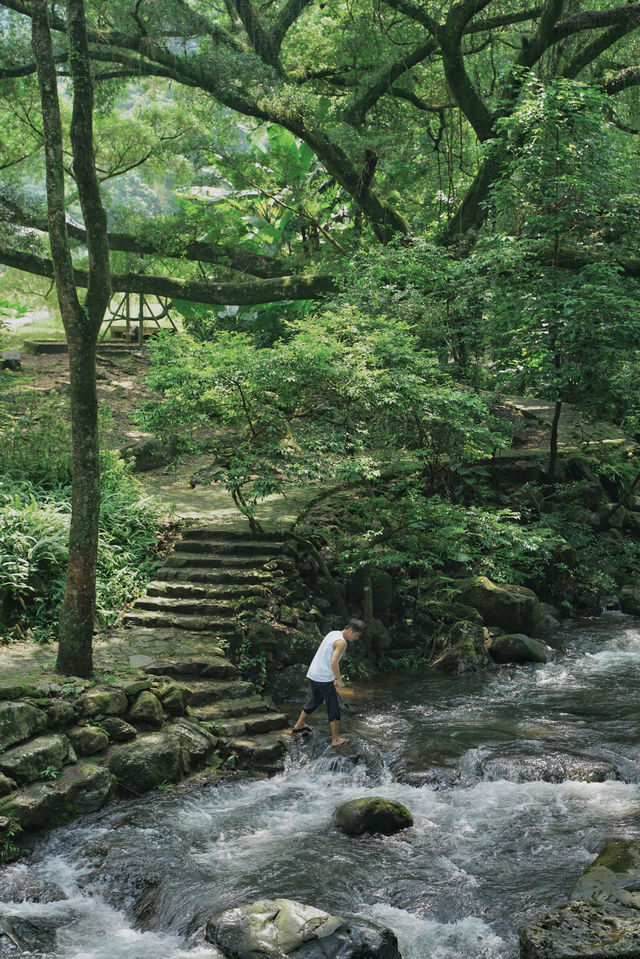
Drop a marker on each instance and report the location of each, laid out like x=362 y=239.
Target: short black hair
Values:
x=356 y=625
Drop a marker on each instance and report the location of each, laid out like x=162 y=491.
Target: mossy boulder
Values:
x=60 y=714
x=518 y=648
x=512 y=607
x=372 y=814
x=19 y=722
x=277 y=928
x=118 y=730
x=602 y=921
x=103 y=701
x=163 y=756
x=463 y=649
x=146 y=711
x=25 y=763
x=629 y=597
x=89 y=740
x=80 y=789
x=6 y=785
x=174 y=698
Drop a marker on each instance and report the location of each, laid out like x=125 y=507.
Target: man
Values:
x=324 y=677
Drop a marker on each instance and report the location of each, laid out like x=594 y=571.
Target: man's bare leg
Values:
x=302 y=722
x=335 y=733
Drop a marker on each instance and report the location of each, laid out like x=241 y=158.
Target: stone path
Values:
x=576 y=431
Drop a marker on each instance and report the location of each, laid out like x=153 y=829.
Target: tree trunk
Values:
x=81 y=322
x=78 y=607
x=553 y=442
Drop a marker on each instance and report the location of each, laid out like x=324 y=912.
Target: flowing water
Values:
x=515 y=778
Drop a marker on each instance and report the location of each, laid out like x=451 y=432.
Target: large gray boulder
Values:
x=463 y=649
x=372 y=814
x=510 y=607
x=629 y=597
x=518 y=648
x=46 y=754
x=163 y=756
x=277 y=928
x=80 y=789
x=18 y=722
x=602 y=920
x=103 y=702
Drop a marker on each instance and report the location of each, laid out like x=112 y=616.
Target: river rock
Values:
x=59 y=714
x=518 y=648
x=174 y=698
x=291 y=683
x=118 y=730
x=462 y=649
x=80 y=789
x=146 y=711
x=629 y=597
x=26 y=762
x=163 y=756
x=103 y=702
x=6 y=785
x=276 y=928
x=511 y=607
x=89 y=740
x=372 y=814
x=602 y=921
x=18 y=722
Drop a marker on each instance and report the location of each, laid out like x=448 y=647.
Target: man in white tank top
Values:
x=324 y=677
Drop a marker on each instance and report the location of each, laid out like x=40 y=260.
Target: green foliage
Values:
x=33 y=548
x=8 y=846
x=49 y=773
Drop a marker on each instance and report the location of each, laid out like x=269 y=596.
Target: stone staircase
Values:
x=211 y=583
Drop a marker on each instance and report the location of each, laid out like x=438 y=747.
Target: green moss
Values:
x=616 y=856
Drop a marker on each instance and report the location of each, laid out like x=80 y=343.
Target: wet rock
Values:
x=629 y=597
x=582 y=598
x=276 y=928
x=118 y=730
x=372 y=814
x=163 y=756
x=103 y=702
x=132 y=687
x=89 y=740
x=291 y=683
x=25 y=763
x=511 y=607
x=518 y=648
x=462 y=649
x=602 y=921
x=80 y=789
x=546 y=624
x=16 y=691
x=146 y=711
x=18 y=722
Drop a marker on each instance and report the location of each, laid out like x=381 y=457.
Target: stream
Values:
x=515 y=778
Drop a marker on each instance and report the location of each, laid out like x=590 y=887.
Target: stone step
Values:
x=204 y=531
x=218 y=547
x=198 y=607
x=170 y=620
x=256 y=752
x=192 y=667
x=191 y=560
x=248 y=725
x=202 y=693
x=147 y=638
x=227 y=709
x=226 y=577
x=188 y=590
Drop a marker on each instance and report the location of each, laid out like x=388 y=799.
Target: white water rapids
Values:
x=515 y=778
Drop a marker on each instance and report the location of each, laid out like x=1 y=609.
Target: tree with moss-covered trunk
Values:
x=81 y=320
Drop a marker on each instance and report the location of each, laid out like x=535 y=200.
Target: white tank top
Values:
x=320 y=669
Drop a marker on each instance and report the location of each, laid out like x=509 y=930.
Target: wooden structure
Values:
x=139 y=315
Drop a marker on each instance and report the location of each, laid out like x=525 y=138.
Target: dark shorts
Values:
x=323 y=693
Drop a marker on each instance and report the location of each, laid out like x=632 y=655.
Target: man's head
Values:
x=353 y=630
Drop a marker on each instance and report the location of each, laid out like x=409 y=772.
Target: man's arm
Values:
x=338 y=648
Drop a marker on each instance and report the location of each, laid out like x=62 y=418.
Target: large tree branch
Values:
x=218 y=294
x=286 y=18
x=355 y=114
x=84 y=169
x=630 y=77
x=592 y=51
